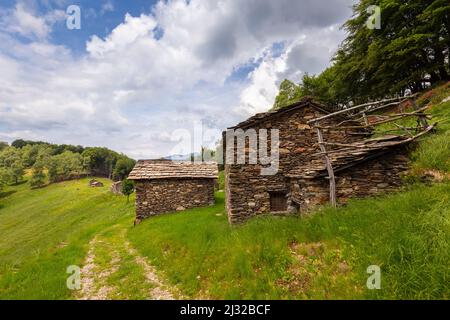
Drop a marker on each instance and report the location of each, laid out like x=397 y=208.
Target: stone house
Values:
x=165 y=186
x=302 y=180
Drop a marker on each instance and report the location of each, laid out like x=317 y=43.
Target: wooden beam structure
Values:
x=345 y=155
x=329 y=168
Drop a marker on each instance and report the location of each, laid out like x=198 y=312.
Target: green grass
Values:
x=322 y=256
x=43 y=231
x=221 y=180
x=406 y=234
x=434 y=150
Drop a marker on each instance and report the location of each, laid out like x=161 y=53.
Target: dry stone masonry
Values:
x=293 y=189
x=167 y=186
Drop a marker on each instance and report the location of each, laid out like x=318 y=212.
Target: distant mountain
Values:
x=183 y=157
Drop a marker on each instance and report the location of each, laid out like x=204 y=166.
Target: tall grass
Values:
x=406 y=234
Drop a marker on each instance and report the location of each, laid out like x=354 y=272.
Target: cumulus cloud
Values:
x=21 y=20
x=132 y=89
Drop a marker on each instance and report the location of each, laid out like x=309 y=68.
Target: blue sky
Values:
x=145 y=77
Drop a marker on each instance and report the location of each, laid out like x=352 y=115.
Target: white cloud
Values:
x=22 y=20
x=130 y=90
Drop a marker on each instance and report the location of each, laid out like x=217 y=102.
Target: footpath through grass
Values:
x=43 y=231
x=325 y=255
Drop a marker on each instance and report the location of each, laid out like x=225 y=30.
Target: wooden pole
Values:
x=358 y=107
x=422 y=117
x=366 y=121
x=329 y=168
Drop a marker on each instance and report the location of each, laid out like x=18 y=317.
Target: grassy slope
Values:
x=407 y=234
x=323 y=256
x=45 y=230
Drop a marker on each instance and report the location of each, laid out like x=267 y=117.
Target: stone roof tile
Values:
x=163 y=169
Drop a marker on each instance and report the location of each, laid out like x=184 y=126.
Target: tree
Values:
x=11 y=160
x=19 y=143
x=3 y=145
x=65 y=166
x=410 y=52
x=4 y=178
x=123 y=167
x=100 y=161
x=127 y=188
x=29 y=154
x=38 y=175
x=289 y=93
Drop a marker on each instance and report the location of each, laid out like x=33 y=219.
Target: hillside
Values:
x=198 y=255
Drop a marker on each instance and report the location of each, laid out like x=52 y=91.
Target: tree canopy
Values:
x=408 y=53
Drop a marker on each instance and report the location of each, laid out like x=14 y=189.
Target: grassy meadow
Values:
x=321 y=256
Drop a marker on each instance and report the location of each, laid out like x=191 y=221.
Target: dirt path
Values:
x=159 y=292
x=113 y=269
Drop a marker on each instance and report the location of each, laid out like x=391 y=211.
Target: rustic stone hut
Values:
x=302 y=180
x=165 y=185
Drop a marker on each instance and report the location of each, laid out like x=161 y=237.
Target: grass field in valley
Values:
x=198 y=255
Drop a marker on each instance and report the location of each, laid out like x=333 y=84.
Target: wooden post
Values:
x=422 y=118
x=366 y=121
x=329 y=168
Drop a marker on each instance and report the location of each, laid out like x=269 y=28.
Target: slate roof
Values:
x=163 y=169
x=306 y=101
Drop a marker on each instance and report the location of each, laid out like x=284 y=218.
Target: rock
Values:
x=116 y=187
x=251 y=204
x=181 y=208
x=95 y=183
x=302 y=126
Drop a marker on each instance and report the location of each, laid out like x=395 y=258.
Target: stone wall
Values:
x=248 y=192
x=165 y=195
x=376 y=176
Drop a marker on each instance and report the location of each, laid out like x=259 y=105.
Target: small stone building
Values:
x=165 y=186
x=302 y=181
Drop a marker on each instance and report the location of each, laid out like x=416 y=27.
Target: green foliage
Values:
x=4 y=178
x=289 y=93
x=11 y=161
x=65 y=166
x=127 y=188
x=19 y=143
x=38 y=175
x=62 y=162
x=29 y=154
x=3 y=145
x=100 y=161
x=408 y=54
x=221 y=180
x=123 y=167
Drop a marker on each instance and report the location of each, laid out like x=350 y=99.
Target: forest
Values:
x=47 y=163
